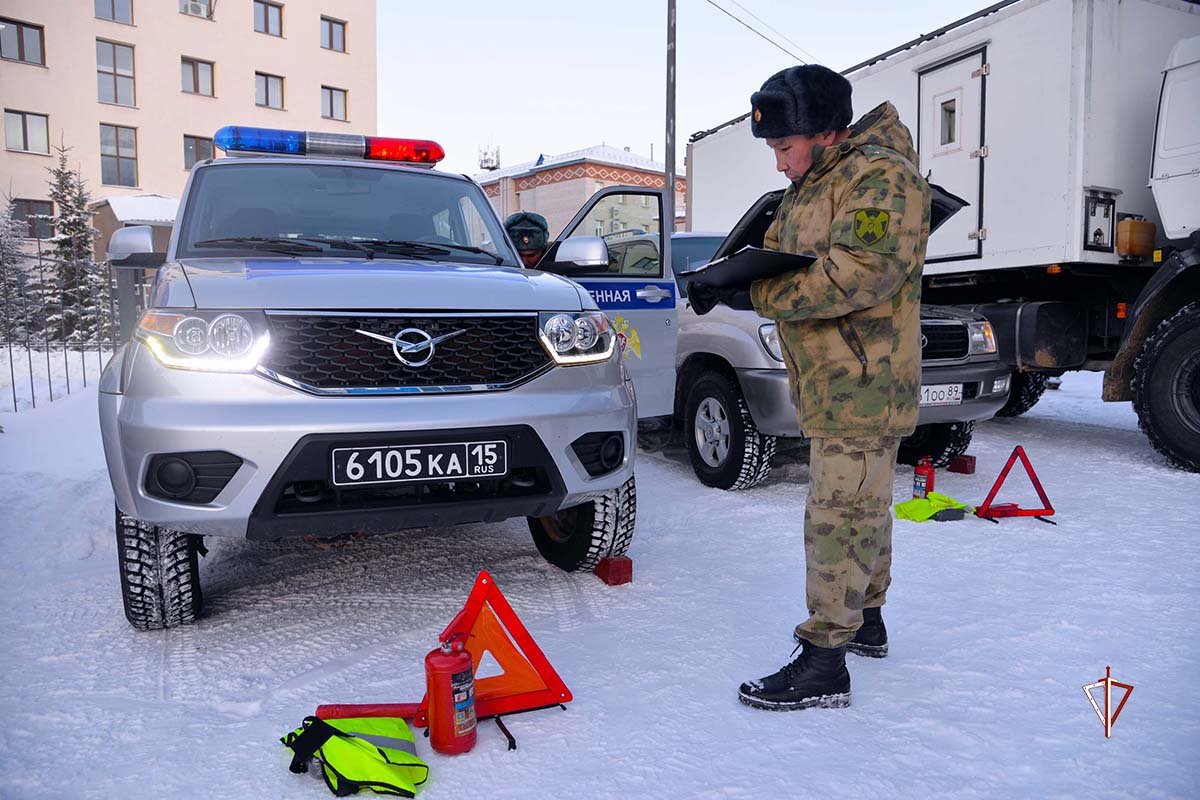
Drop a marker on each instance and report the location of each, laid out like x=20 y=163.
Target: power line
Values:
x=782 y=35
x=755 y=31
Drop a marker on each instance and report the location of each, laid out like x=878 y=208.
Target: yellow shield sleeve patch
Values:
x=871 y=225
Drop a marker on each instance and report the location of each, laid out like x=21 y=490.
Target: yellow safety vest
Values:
x=376 y=753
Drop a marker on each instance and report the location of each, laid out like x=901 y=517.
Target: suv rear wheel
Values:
x=939 y=442
x=160 y=574
x=576 y=538
x=726 y=449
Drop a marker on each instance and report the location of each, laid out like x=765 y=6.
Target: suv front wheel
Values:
x=160 y=574
x=576 y=538
x=726 y=449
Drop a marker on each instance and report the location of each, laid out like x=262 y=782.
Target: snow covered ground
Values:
x=994 y=630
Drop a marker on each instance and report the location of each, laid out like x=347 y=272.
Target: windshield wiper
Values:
x=274 y=244
x=433 y=248
x=344 y=244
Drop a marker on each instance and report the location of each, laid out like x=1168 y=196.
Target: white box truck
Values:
x=1073 y=129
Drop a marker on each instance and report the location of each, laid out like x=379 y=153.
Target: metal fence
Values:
x=41 y=360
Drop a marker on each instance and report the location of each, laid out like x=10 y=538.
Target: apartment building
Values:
x=136 y=88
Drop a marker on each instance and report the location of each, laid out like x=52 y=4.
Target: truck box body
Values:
x=1041 y=114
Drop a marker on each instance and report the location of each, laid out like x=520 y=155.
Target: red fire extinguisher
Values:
x=450 y=683
x=923 y=478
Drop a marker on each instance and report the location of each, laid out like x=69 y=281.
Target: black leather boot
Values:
x=817 y=678
x=870 y=640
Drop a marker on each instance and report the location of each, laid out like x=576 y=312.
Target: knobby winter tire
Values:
x=160 y=574
x=1166 y=388
x=1025 y=389
x=726 y=449
x=576 y=538
x=939 y=442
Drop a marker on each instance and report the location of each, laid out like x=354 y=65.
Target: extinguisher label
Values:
x=462 y=687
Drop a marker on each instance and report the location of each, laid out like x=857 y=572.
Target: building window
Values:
x=21 y=42
x=196 y=148
x=197 y=76
x=118 y=155
x=28 y=133
x=268 y=90
x=36 y=215
x=114 y=72
x=268 y=18
x=333 y=34
x=115 y=10
x=333 y=103
x=196 y=8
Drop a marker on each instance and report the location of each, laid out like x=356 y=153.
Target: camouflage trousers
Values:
x=847 y=534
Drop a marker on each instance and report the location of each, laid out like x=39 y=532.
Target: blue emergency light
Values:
x=241 y=139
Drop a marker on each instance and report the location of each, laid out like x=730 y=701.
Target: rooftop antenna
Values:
x=489 y=158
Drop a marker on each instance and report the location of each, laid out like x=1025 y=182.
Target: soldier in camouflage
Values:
x=849 y=326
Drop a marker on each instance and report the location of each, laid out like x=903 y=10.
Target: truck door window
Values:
x=948 y=122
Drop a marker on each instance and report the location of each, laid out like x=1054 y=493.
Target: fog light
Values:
x=611 y=452
x=175 y=477
x=1000 y=385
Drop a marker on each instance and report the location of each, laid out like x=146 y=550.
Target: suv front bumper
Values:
x=768 y=394
x=284 y=437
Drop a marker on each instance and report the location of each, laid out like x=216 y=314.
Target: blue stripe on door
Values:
x=622 y=294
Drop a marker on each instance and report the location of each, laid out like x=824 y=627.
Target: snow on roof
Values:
x=147 y=208
x=602 y=153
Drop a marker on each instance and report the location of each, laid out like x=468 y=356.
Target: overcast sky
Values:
x=549 y=76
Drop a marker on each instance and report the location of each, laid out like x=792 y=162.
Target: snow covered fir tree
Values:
x=72 y=291
x=16 y=310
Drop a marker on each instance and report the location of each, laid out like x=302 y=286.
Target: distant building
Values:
x=557 y=187
x=136 y=88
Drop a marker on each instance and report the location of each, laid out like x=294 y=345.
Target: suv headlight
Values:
x=209 y=341
x=982 y=338
x=770 y=340
x=574 y=338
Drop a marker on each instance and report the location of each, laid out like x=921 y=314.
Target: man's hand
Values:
x=704 y=297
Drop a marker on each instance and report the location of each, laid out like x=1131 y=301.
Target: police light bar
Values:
x=240 y=139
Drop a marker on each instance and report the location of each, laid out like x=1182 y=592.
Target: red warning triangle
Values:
x=491 y=626
x=989 y=511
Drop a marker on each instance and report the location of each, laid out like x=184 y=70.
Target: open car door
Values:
x=635 y=289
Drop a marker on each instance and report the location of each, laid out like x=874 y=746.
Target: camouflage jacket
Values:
x=849 y=325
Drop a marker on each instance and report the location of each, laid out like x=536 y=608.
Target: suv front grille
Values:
x=944 y=341
x=324 y=353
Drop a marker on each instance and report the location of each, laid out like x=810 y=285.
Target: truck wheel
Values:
x=1025 y=389
x=939 y=442
x=576 y=538
x=726 y=449
x=160 y=574
x=1166 y=388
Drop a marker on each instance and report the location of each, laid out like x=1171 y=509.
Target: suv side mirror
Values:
x=584 y=252
x=134 y=247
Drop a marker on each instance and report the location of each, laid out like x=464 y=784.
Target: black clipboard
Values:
x=746 y=266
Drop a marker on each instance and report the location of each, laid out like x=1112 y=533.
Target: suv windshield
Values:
x=328 y=210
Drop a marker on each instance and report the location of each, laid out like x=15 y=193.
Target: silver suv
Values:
x=336 y=345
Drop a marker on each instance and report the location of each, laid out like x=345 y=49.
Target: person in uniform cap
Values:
x=530 y=234
x=850 y=329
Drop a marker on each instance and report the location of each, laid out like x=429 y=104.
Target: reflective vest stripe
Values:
x=403 y=745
